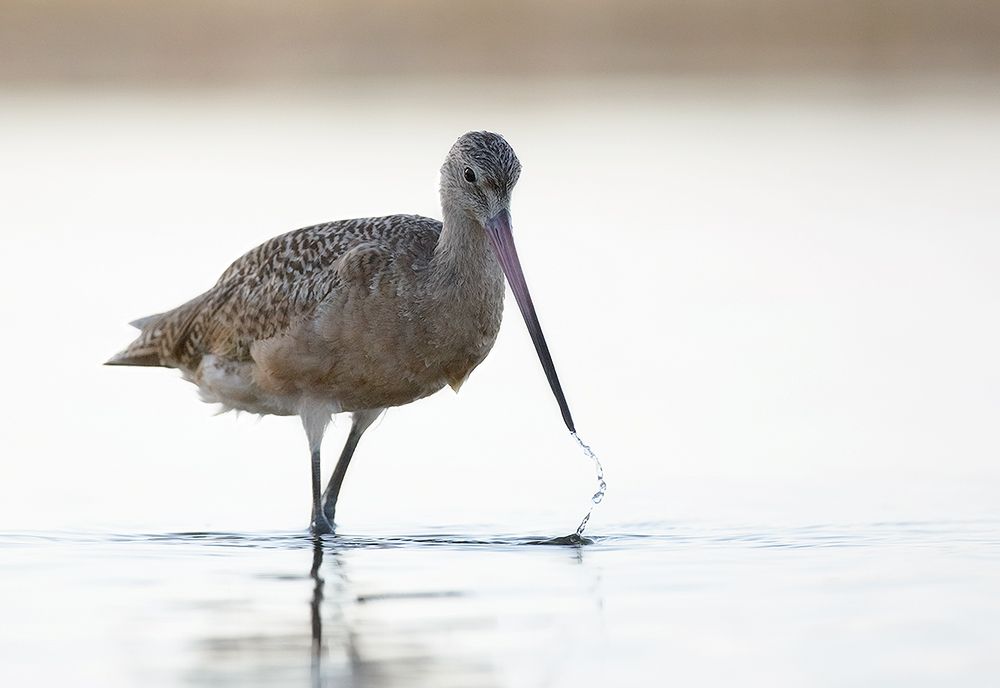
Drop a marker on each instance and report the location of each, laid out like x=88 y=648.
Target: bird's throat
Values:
x=467 y=285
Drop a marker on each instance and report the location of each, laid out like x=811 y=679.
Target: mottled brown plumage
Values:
x=356 y=315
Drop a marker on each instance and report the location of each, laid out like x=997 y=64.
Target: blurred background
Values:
x=254 y=41
x=762 y=235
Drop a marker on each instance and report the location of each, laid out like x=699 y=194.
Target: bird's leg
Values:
x=319 y=524
x=315 y=418
x=361 y=421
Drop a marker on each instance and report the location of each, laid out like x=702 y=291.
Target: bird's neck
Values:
x=466 y=288
x=464 y=258
x=464 y=301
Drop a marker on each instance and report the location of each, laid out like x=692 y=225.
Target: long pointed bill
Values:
x=498 y=230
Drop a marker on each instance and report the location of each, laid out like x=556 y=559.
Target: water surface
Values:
x=915 y=604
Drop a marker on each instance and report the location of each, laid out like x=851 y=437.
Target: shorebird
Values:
x=357 y=315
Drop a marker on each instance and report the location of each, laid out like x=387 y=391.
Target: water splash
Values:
x=601 y=485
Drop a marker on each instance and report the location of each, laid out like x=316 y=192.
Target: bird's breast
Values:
x=385 y=341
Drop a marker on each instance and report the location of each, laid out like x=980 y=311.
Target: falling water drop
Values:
x=601 y=485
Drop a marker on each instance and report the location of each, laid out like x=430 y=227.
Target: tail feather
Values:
x=165 y=338
x=142 y=322
x=135 y=358
x=144 y=351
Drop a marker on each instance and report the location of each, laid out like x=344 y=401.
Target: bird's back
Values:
x=277 y=285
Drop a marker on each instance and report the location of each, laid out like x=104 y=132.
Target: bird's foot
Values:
x=321 y=525
x=329 y=509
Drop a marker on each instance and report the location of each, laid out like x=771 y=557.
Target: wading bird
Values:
x=357 y=315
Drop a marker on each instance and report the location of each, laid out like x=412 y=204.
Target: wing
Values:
x=277 y=284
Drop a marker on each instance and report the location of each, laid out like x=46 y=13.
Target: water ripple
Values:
x=632 y=536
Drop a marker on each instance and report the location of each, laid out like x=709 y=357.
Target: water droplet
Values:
x=601 y=485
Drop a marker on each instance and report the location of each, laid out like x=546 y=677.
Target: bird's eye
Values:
x=470 y=176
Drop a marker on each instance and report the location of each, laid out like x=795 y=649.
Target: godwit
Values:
x=357 y=315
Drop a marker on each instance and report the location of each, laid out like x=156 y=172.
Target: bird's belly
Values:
x=373 y=375
x=363 y=372
x=231 y=384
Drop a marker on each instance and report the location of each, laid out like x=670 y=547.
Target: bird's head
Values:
x=477 y=178
x=479 y=175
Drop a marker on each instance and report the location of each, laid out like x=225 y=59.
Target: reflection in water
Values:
x=317 y=619
x=480 y=612
x=404 y=618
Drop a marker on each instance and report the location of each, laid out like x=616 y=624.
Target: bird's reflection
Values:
x=393 y=622
x=362 y=649
x=317 y=617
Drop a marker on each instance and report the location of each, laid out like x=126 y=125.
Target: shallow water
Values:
x=915 y=604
